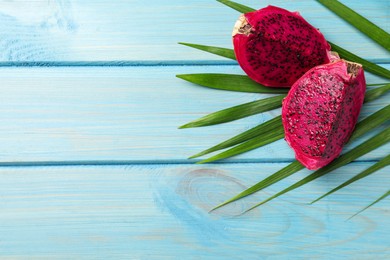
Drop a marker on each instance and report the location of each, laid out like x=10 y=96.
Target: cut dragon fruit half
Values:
x=275 y=47
x=321 y=111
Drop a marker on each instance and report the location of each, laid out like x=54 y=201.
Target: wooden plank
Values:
x=161 y=211
x=104 y=30
x=122 y=113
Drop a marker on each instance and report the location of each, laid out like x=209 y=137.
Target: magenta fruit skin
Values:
x=321 y=111
x=275 y=47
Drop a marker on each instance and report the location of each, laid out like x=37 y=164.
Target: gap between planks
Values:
x=135 y=63
x=140 y=162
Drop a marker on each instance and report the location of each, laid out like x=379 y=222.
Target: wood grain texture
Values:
x=123 y=113
x=161 y=211
x=104 y=30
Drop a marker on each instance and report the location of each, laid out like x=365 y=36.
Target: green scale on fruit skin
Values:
x=321 y=110
x=275 y=47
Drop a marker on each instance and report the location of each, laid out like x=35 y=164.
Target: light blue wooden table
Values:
x=92 y=164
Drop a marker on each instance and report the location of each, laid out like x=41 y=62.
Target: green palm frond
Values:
x=377 y=166
x=230 y=82
x=223 y=52
x=277 y=176
x=265 y=127
x=272 y=130
x=236 y=6
x=237 y=112
x=256 y=142
x=367 y=146
x=374 y=120
x=359 y=22
x=275 y=125
x=385 y=195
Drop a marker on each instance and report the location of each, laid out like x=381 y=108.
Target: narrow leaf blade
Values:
x=367 y=146
x=364 y=126
x=279 y=175
x=274 y=123
x=376 y=93
x=249 y=145
x=223 y=52
x=375 y=202
x=230 y=82
x=236 y=6
x=359 y=22
x=372 y=121
x=377 y=166
x=237 y=112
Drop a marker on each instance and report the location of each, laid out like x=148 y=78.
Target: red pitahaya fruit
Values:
x=321 y=110
x=275 y=47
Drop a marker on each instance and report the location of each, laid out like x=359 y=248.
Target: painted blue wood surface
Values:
x=123 y=113
x=92 y=164
x=80 y=30
x=161 y=211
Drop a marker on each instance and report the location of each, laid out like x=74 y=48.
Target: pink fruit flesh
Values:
x=276 y=47
x=321 y=110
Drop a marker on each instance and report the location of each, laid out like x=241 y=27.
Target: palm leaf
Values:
x=377 y=84
x=364 y=126
x=370 y=122
x=376 y=201
x=236 y=6
x=237 y=112
x=279 y=175
x=223 y=52
x=367 y=146
x=274 y=123
x=296 y=166
x=359 y=22
x=256 y=142
x=375 y=93
x=230 y=82
x=377 y=166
